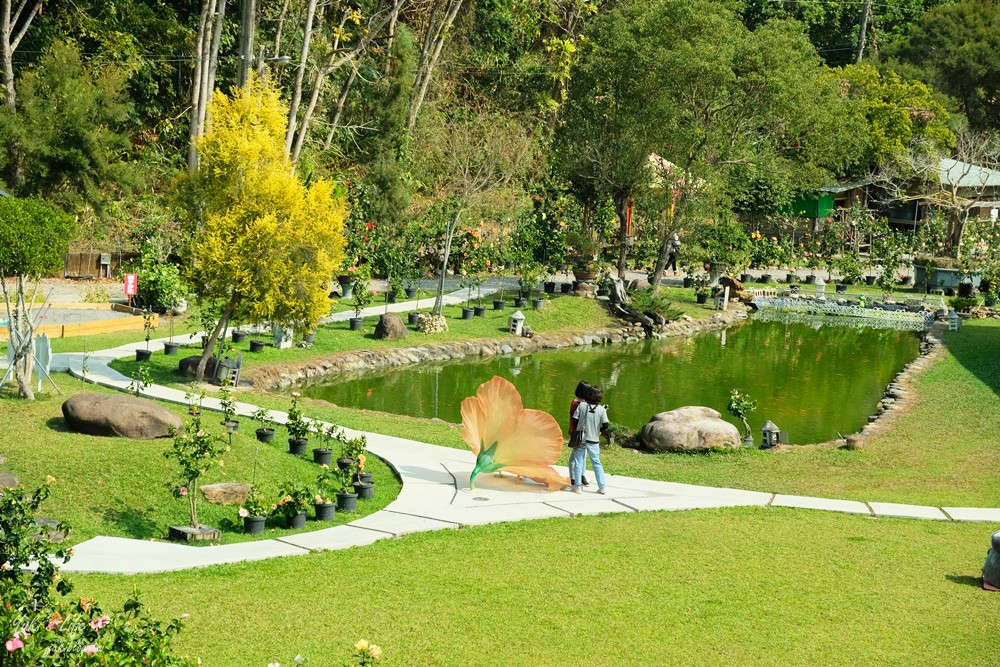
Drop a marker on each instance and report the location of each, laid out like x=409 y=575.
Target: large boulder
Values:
x=8 y=480
x=188 y=366
x=226 y=493
x=991 y=568
x=119 y=415
x=689 y=429
x=390 y=325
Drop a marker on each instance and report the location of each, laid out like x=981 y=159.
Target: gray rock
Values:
x=991 y=568
x=226 y=493
x=391 y=326
x=189 y=366
x=48 y=530
x=119 y=415
x=8 y=480
x=689 y=429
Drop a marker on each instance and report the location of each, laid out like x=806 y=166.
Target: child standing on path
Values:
x=591 y=421
x=580 y=397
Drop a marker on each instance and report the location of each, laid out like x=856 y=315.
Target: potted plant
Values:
x=363 y=486
x=327 y=484
x=170 y=347
x=741 y=405
x=263 y=417
x=149 y=324
x=293 y=502
x=346 y=281
x=701 y=290
x=323 y=455
x=347 y=500
x=228 y=404
x=351 y=448
x=193 y=399
x=298 y=427
x=195 y=451
x=539 y=302
x=363 y=297
x=253 y=511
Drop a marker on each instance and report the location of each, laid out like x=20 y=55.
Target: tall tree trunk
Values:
x=434 y=40
x=621 y=208
x=300 y=73
x=194 y=132
x=219 y=327
x=277 y=34
x=14 y=23
x=339 y=110
x=449 y=234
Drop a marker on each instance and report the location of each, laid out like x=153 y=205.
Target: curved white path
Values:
x=434 y=493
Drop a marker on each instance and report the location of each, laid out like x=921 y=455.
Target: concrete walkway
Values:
x=435 y=493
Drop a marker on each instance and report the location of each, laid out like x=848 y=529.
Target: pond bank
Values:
x=283 y=375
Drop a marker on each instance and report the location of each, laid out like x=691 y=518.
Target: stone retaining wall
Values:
x=279 y=376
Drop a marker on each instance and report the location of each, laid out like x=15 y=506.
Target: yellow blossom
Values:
x=361 y=645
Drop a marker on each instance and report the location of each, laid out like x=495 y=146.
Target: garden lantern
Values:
x=770 y=435
x=516 y=322
x=820 y=285
x=954 y=321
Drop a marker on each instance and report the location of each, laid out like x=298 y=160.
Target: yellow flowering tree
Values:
x=264 y=243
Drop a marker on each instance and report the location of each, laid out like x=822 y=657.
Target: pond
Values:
x=813 y=381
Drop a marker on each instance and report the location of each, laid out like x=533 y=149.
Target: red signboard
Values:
x=131 y=284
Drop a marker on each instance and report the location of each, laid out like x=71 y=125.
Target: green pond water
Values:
x=813 y=381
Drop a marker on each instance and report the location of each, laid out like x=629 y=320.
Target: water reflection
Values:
x=813 y=381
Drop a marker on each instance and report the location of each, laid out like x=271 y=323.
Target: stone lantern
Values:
x=516 y=323
x=820 y=285
x=770 y=435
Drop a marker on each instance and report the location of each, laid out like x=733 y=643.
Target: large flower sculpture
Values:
x=505 y=436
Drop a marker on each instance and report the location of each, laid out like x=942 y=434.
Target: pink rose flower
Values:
x=244 y=513
x=184 y=491
x=14 y=644
x=99 y=623
x=91 y=649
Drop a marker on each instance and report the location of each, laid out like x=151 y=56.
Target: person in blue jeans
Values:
x=591 y=420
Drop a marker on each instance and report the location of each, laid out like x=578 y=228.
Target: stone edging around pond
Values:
x=897 y=398
x=280 y=376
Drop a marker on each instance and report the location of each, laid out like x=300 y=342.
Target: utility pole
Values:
x=246 y=41
x=866 y=9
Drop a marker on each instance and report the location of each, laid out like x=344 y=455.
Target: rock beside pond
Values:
x=8 y=480
x=119 y=415
x=689 y=429
x=226 y=493
x=390 y=326
x=188 y=366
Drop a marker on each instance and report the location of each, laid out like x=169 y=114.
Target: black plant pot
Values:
x=550 y=287
x=296 y=521
x=325 y=511
x=297 y=446
x=480 y=311
x=520 y=302
x=390 y=297
x=265 y=434
x=413 y=318
x=323 y=456
x=701 y=298
x=347 y=502
x=841 y=288
x=538 y=304
x=810 y=280
x=566 y=288
x=467 y=313
x=791 y=278
x=764 y=278
x=239 y=336
x=411 y=292
x=365 y=490
x=142 y=355
x=905 y=280
x=745 y=278
x=256 y=346
x=363 y=477
x=345 y=462
x=356 y=323
x=170 y=349
x=689 y=283
x=254 y=525
x=498 y=304
x=870 y=280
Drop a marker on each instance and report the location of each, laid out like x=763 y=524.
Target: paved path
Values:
x=435 y=493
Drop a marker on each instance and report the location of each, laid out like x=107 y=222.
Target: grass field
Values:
x=740 y=586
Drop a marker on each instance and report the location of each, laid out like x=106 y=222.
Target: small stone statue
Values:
x=991 y=568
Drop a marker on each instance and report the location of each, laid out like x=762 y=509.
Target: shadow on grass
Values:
x=975 y=348
x=135 y=523
x=58 y=424
x=964 y=580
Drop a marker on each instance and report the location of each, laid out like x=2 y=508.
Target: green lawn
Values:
x=737 y=586
x=118 y=487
